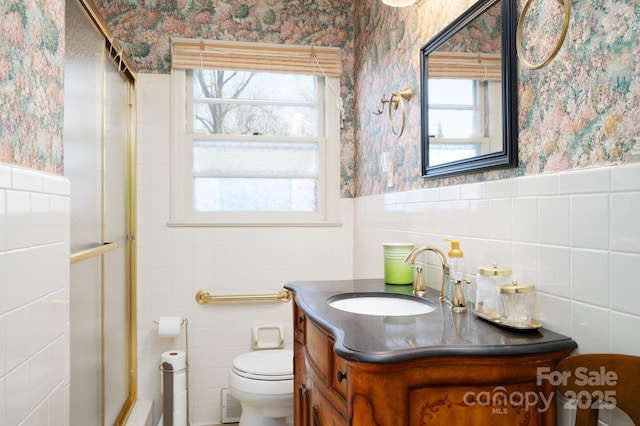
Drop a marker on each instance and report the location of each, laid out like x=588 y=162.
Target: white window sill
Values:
x=194 y=224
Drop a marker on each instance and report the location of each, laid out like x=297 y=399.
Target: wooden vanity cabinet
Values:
x=442 y=390
x=320 y=376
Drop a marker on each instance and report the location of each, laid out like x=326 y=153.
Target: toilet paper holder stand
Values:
x=183 y=322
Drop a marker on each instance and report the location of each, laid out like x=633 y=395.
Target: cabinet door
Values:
x=322 y=412
x=302 y=406
x=480 y=405
x=301 y=395
x=338 y=374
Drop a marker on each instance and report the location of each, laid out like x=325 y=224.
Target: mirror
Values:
x=469 y=95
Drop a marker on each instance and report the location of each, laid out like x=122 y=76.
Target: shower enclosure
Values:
x=99 y=158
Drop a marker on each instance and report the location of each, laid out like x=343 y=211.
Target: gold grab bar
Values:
x=93 y=252
x=203 y=297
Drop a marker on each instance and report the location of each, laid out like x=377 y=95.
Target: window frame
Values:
x=182 y=207
x=488 y=95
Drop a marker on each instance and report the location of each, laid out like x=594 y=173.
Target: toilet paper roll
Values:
x=169 y=326
x=180 y=409
x=177 y=359
x=174 y=363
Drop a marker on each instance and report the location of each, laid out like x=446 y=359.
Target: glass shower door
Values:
x=83 y=158
x=98 y=150
x=117 y=228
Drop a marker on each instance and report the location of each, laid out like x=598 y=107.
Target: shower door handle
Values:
x=98 y=250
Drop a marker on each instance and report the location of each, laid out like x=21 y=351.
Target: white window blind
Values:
x=259 y=57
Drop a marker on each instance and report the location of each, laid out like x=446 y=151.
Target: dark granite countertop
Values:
x=379 y=339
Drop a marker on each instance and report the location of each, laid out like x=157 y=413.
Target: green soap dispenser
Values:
x=456 y=267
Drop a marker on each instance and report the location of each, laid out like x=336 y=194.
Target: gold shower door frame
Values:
x=114 y=55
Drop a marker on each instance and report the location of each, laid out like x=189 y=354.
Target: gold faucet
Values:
x=458 y=302
x=419 y=286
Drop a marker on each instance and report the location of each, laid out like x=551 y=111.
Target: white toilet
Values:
x=263 y=383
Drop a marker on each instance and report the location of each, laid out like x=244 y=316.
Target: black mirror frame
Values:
x=508 y=157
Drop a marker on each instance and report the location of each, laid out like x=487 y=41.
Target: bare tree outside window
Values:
x=255 y=145
x=246 y=103
x=212 y=83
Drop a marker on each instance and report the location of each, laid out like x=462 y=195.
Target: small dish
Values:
x=533 y=325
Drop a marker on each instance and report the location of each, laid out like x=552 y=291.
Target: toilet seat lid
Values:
x=265 y=365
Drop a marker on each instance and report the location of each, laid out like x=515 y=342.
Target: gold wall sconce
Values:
x=397 y=100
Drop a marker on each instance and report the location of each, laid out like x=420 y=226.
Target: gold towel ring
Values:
x=565 y=27
x=397 y=98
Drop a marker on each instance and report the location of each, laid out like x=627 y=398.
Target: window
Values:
x=254 y=147
x=468 y=88
x=458 y=123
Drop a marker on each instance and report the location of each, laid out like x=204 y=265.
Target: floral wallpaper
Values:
x=579 y=111
x=31 y=83
x=483 y=34
x=144 y=28
x=582 y=110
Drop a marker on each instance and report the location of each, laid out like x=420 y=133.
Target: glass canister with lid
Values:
x=517 y=301
x=489 y=279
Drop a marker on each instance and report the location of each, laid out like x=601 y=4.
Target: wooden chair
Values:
x=594 y=379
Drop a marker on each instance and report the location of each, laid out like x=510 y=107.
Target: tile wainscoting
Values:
x=34 y=297
x=575 y=235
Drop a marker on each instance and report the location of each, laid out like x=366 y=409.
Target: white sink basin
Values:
x=381 y=304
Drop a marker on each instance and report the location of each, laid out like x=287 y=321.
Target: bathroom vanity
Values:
x=435 y=368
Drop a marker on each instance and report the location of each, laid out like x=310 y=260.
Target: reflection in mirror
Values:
x=468 y=92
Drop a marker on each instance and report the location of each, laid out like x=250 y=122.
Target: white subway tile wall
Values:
x=554 y=220
x=34 y=297
x=574 y=235
x=175 y=262
x=590 y=275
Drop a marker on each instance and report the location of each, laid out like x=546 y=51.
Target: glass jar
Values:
x=488 y=280
x=517 y=301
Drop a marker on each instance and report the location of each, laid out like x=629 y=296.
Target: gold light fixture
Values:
x=402 y=3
